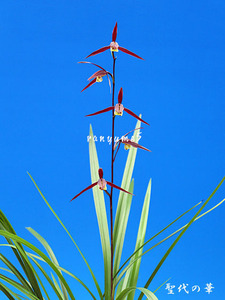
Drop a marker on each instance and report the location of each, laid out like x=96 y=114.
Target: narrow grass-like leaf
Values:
x=65 y=271
x=36 y=257
x=18 y=239
x=6 y=226
x=127 y=291
x=51 y=255
x=56 y=285
x=157 y=244
x=25 y=257
x=123 y=206
x=15 y=271
x=119 y=248
x=9 y=293
x=161 y=285
x=132 y=275
x=149 y=240
x=119 y=288
x=175 y=232
x=57 y=291
x=101 y=215
x=64 y=227
x=178 y=238
x=19 y=287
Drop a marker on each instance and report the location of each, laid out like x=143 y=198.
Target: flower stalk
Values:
x=112 y=173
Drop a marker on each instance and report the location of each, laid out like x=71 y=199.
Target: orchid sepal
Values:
x=98 y=51
x=84 y=190
x=119 y=188
x=101 y=111
x=134 y=115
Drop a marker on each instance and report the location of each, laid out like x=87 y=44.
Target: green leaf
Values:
x=127 y=291
x=51 y=255
x=19 y=287
x=64 y=227
x=119 y=288
x=178 y=230
x=15 y=271
x=101 y=215
x=65 y=271
x=132 y=275
x=6 y=226
x=149 y=240
x=18 y=239
x=124 y=203
x=57 y=285
x=57 y=291
x=157 y=244
x=178 y=238
x=9 y=293
x=119 y=248
x=6 y=291
x=35 y=257
x=162 y=285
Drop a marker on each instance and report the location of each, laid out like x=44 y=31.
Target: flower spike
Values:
x=97 y=76
x=114 y=47
x=101 y=184
x=119 y=108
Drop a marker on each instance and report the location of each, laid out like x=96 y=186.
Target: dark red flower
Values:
x=114 y=47
x=119 y=108
x=128 y=143
x=97 y=76
x=101 y=184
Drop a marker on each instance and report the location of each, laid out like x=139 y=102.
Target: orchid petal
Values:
x=98 y=51
x=99 y=73
x=132 y=131
x=89 y=84
x=119 y=188
x=134 y=115
x=87 y=62
x=120 y=96
x=114 y=34
x=129 y=52
x=133 y=144
x=100 y=173
x=109 y=82
x=87 y=188
x=101 y=111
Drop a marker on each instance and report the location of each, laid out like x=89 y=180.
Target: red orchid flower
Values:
x=114 y=47
x=101 y=184
x=97 y=75
x=119 y=108
x=128 y=143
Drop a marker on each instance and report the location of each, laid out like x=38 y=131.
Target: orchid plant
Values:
x=120 y=279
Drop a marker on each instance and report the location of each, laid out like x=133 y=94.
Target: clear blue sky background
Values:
x=179 y=89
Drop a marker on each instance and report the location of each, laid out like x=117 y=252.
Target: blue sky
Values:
x=179 y=88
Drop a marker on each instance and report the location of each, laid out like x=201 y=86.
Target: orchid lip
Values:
x=114 y=46
x=119 y=109
x=99 y=79
x=102 y=184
